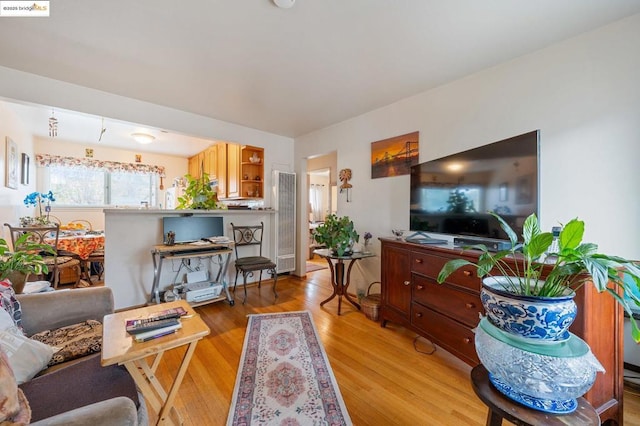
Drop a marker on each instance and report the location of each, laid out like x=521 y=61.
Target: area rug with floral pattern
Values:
x=284 y=376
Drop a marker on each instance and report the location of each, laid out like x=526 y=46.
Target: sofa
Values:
x=79 y=391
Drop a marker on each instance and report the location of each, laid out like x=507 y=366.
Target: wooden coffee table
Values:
x=119 y=347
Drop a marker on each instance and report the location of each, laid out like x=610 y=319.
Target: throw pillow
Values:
x=26 y=357
x=9 y=303
x=14 y=408
x=73 y=341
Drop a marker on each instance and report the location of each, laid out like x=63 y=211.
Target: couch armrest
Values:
x=55 y=309
x=115 y=411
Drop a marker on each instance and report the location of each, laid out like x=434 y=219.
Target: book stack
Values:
x=157 y=325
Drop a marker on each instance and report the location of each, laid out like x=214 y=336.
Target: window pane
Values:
x=130 y=189
x=77 y=186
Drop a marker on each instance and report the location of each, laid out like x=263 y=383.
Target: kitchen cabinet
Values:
x=238 y=169
x=251 y=172
x=196 y=165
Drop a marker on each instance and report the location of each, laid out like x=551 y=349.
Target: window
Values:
x=89 y=182
x=79 y=186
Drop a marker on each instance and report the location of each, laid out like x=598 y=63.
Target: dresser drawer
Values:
x=430 y=266
x=445 y=332
x=461 y=305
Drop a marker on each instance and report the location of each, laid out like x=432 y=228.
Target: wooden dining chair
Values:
x=47 y=235
x=249 y=237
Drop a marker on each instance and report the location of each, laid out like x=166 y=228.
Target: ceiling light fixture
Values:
x=284 y=4
x=143 y=138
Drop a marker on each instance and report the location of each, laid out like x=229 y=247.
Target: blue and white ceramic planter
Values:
x=530 y=317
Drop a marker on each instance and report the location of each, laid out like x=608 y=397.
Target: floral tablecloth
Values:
x=82 y=245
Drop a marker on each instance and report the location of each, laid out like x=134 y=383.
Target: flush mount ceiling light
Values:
x=284 y=4
x=143 y=138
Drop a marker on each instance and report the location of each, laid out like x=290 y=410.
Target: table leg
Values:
x=493 y=419
x=346 y=286
x=157 y=269
x=161 y=402
x=333 y=282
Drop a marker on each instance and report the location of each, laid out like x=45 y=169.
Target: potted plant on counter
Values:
x=338 y=234
x=199 y=195
x=18 y=265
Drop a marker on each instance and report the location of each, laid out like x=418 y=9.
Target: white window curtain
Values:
x=315 y=198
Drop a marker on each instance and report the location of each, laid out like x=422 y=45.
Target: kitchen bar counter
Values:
x=132 y=233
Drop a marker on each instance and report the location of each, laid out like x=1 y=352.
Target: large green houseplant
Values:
x=199 y=194
x=18 y=265
x=337 y=233
x=571 y=266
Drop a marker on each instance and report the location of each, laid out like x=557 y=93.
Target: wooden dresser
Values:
x=447 y=313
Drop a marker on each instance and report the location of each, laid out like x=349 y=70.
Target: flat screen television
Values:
x=453 y=194
x=192 y=228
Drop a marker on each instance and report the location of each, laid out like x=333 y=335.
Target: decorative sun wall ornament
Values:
x=345 y=177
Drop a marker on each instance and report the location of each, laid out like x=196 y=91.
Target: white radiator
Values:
x=285 y=199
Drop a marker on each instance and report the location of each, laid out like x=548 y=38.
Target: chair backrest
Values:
x=247 y=235
x=38 y=234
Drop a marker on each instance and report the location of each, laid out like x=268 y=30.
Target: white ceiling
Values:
x=284 y=71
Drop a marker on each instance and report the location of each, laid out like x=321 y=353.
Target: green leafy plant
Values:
x=27 y=260
x=337 y=233
x=199 y=195
x=458 y=202
x=574 y=264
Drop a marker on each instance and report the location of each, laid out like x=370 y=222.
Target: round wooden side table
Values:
x=501 y=407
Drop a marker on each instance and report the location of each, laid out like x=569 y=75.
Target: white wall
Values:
x=11 y=200
x=583 y=95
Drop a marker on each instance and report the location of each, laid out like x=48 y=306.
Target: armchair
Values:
x=78 y=392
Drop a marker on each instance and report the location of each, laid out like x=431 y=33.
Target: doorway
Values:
x=322 y=200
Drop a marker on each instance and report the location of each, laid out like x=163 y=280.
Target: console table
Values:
x=447 y=313
x=186 y=251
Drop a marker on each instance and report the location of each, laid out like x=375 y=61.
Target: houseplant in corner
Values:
x=338 y=234
x=17 y=266
x=527 y=292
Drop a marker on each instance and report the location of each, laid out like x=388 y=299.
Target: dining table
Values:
x=82 y=244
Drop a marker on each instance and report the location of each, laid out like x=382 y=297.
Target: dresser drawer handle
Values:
x=419 y=314
x=407 y=282
x=470 y=305
x=466 y=340
x=419 y=287
x=467 y=273
x=419 y=260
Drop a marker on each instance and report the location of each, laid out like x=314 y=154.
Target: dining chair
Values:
x=247 y=238
x=47 y=235
x=95 y=261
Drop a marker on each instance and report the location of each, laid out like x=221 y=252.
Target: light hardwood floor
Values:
x=383 y=374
